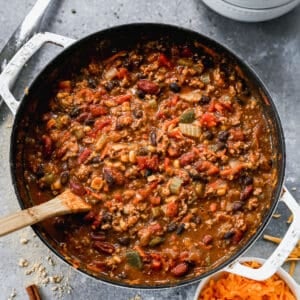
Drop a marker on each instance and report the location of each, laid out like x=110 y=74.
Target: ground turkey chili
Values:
x=170 y=146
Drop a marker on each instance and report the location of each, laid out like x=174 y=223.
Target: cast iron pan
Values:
x=102 y=44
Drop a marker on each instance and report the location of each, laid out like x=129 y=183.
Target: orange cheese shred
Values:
x=234 y=287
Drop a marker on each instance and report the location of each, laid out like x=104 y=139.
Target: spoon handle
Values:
x=64 y=203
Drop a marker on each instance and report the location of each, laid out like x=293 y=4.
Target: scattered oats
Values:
x=294 y=188
x=23 y=241
x=26 y=90
x=55 y=288
x=12 y=295
x=50 y=261
x=136 y=297
x=23 y=263
x=276 y=216
x=28 y=272
x=56 y=279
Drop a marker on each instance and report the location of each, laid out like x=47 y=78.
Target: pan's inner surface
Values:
x=195 y=247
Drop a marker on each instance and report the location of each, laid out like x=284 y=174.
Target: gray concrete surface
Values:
x=273 y=48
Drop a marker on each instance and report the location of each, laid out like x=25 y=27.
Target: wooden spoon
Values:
x=65 y=203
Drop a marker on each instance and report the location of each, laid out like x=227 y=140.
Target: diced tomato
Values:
x=148 y=163
x=122 y=72
x=84 y=155
x=220 y=107
x=65 y=85
x=99 y=125
x=123 y=98
x=213 y=207
x=207 y=167
x=164 y=61
x=237 y=135
x=98 y=110
x=156 y=265
x=154 y=228
x=172 y=209
x=155 y=200
x=208 y=120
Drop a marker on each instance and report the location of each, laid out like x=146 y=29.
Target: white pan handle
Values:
x=11 y=71
x=282 y=251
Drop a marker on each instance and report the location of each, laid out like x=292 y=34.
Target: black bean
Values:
x=108 y=177
x=140 y=94
x=124 y=240
x=107 y=217
x=207 y=62
x=228 y=235
x=174 y=87
x=148 y=172
x=247 y=180
x=180 y=229
x=223 y=136
x=89 y=122
x=208 y=135
x=95 y=160
x=204 y=100
x=75 y=112
x=40 y=171
x=220 y=146
x=137 y=113
x=237 y=205
x=92 y=83
x=110 y=85
x=64 y=177
x=171 y=227
x=153 y=138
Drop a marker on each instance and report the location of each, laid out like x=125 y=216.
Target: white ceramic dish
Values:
x=258 y=4
x=240 y=13
x=294 y=287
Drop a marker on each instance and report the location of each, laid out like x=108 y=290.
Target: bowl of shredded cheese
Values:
x=225 y=286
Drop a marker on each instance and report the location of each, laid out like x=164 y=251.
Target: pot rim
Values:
x=221 y=48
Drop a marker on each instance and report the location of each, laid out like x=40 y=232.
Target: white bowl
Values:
x=258 y=4
x=287 y=278
x=240 y=13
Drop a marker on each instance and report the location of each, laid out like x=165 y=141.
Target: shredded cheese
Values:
x=234 y=287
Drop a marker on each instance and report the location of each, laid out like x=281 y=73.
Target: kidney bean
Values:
x=180 y=270
x=77 y=188
x=207 y=239
x=237 y=205
x=238 y=235
x=153 y=138
x=104 y=247
x=148 y=87
x=90 y=216
x=99 y=236
x=246 y=193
